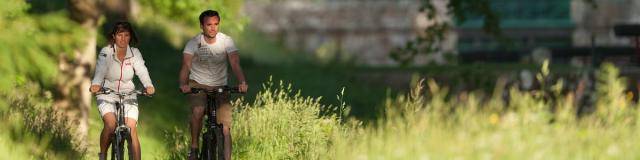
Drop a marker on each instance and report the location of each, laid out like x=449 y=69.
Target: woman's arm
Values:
x=101 y=70
x=141 y=70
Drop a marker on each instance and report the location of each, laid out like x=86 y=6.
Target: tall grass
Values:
x=281 y=124
x=426 y=123
x=431 y=123
x=430 y=126
x=32 y=129
x=278 y=124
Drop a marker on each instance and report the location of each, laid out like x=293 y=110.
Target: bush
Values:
x=30 y=119
x=277 y=125
x=281 y=125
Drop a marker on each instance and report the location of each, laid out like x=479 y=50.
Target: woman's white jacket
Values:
x=118 y=76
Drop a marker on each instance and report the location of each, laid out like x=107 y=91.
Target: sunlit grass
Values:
x=433 y=127
x=426 y=123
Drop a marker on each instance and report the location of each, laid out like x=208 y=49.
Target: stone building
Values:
x=365 y=31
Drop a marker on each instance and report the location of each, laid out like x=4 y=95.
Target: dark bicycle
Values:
x=122 y=133
x=213 y=139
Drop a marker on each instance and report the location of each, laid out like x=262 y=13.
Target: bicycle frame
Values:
x=122 y=132
x=213 y=138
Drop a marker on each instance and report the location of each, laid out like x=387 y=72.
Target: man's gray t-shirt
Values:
x=209 y=63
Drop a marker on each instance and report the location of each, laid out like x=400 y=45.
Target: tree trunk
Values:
x=72 y=84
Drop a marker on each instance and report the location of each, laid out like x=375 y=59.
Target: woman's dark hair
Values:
x=123 y=26
x=208 y=13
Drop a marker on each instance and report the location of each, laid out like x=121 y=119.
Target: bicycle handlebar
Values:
x=134 y=92
x=215 y=91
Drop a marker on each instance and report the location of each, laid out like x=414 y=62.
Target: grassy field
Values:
x=299 y=109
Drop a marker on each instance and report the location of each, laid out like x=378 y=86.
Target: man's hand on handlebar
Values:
x=243 y=87
x=185 y=89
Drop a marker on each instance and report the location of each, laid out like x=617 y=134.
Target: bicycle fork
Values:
x=121 y=135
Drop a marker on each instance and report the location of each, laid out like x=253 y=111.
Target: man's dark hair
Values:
x=208 y=13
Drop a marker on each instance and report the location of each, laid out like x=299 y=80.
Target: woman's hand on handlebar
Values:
x=95 y=88
x=150 y=90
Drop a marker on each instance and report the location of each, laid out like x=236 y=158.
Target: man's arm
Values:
x=184 y=72
x=234 y=60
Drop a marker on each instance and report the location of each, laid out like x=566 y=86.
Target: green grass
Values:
x=430 y=126
x=427 y=123
x=304 y=120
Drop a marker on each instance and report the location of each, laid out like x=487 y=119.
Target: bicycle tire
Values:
x=117 y=148
x=207 y=141
x=219 y=143
x=130 y=149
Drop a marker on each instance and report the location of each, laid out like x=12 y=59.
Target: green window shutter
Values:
x=526 y=14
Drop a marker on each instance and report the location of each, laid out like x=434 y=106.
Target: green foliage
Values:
x=178 y=143
x=32 y=43
x=612 y=99
x=177 y=21
x=277 y=125
x=281 y=125
x=188 y=11
x=430 y=40
x=29 y=120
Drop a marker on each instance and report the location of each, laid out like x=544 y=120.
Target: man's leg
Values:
x=198 y=102
x=227 y=142
x=224 y=116
x=197 y=112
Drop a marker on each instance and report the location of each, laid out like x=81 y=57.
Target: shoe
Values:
x=193 y=154
x=102 y=156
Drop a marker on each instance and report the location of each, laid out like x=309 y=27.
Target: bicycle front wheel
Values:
x=117 y=147
x=207 y=146
x=130 y=150
x=219 y=143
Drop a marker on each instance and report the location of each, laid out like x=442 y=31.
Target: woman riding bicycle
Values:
x=116 y=65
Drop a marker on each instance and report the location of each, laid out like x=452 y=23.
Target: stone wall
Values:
x=364 y=31
x=367 y=30
x=598 y=22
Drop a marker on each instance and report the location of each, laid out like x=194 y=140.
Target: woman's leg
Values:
x=131 y=123
x=109 y=121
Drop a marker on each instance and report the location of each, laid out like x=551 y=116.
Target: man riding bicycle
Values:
x=204 y=65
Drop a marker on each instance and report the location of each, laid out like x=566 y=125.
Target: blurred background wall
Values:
x=365 y=31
